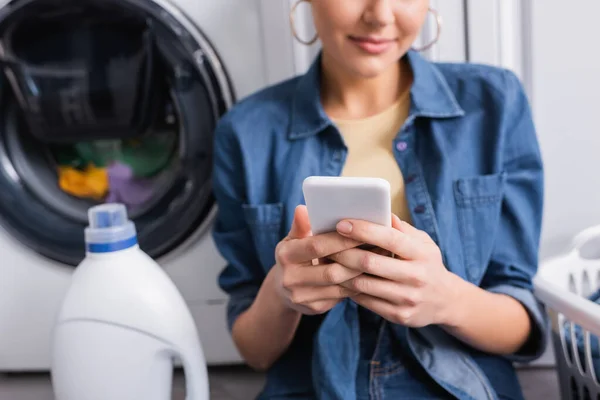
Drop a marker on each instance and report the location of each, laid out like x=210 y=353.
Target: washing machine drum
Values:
x=105 y=101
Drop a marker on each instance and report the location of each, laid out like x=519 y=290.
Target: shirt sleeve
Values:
x=242 y=277
x=514 y=259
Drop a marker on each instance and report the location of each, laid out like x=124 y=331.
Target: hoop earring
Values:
x=438 y=21
x=293 y=25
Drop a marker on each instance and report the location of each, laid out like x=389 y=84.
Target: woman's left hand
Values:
x=414 y=288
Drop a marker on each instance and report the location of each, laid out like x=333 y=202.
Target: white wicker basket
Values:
x=563 y=284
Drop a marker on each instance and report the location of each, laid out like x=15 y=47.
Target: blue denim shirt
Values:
x=474 y=182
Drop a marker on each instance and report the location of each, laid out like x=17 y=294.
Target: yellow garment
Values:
x=370 y=150
x=90 y=183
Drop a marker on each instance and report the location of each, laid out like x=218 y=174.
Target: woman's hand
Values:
x=413 y=289
x=302 y=277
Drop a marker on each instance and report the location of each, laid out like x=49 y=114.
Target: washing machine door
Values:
x=194 y=92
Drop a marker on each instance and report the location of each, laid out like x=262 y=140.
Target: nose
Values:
x=379 y=13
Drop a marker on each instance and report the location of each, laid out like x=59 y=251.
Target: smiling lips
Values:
x=372 y=45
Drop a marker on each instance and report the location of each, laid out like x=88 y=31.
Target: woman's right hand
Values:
x=303 y=278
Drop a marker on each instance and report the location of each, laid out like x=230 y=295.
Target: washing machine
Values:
x=100 y=71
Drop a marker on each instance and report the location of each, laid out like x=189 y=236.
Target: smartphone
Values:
x=332 y=199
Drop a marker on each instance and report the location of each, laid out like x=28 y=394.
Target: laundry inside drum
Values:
x=71 y=177
x=134 y=171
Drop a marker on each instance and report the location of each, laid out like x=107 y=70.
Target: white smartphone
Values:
x=332 y=199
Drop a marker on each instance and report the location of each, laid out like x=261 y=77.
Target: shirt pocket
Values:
x=479 y=204
x=264 y=222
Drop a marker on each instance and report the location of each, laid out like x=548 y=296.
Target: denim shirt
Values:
x=474 y=182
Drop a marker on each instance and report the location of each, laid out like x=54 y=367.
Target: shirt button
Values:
x=461 y=188
x=420 y=209
x=401 y=146
x=411 y=178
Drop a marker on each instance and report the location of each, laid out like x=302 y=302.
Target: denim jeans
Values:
x=387 y=369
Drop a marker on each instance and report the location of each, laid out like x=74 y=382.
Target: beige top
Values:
x=370 y=150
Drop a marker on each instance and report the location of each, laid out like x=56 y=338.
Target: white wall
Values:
x=541 y=40
x=565 y=85
x=552 y=47
x=564 y=82
x=499 y=34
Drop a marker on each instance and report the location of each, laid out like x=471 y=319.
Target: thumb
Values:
x=300 y=225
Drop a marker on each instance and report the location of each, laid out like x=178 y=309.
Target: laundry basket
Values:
x=564 y=285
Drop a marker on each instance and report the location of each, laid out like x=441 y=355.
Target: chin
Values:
x=373 y=66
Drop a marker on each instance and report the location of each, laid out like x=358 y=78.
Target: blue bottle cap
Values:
x=109 y=229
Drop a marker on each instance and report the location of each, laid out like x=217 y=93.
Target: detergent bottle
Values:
x=123 y=322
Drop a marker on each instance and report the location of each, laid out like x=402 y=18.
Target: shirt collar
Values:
x=430 y=97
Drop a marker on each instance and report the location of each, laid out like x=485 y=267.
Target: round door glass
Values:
x=158 y=164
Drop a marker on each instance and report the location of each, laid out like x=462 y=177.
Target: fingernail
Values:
x=344 y=227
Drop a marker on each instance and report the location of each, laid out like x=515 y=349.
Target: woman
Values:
x=445 y=317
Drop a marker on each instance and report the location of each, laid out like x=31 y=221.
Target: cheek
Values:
x=410 y=20
x=334 y=18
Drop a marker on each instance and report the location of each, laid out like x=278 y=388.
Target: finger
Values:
x=300 y=225
x=380 y=307
x=319 y=307
x=387 y=238
x=376 y=264
x=321 y=261
x=396 y=222
x=316 y=247
x=383 y=289
x=410 y=230
x=403 y=315
x=320 y=275
x=307 y=295
x=371 y=263
x=381 y=252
